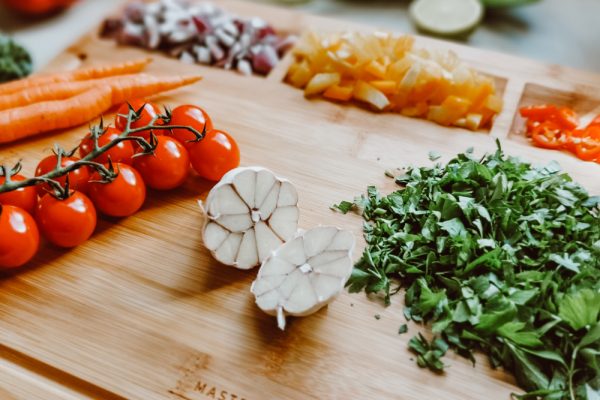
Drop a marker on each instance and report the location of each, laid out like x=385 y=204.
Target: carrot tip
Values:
x=191 y=79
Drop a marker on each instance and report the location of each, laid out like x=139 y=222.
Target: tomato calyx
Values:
x=7 y=174
x=148 y=146
x=199 y=137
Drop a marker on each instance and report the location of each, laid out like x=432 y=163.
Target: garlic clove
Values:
x=317 y=240
x=227 y=251
x=264 y=182
x=214 y=236
x=282 y=221
x=227 y=202
x=288 y=196
x=248 y=253
x=245 y=185
x=235 y=222
x=270 y=202
x=266 y=240
x=277 y=266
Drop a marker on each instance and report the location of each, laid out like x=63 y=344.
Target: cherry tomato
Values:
x=167 y=168
x=66 y=222
x=20 y=237
x=538 y=113
x=121 y=152
x=588 y=146
x=121 y=197
x=548 y=135
x=78 y=179
x=25 y=198
x=149 y=112
x=189 y=115
x=214 y=155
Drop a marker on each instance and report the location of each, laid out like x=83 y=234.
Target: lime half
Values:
x=446 y=17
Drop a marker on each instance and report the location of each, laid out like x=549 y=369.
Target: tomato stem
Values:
x=59 y=171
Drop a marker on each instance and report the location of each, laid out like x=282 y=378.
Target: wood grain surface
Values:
x=141 y=311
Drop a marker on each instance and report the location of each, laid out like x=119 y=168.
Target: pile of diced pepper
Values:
x=558 y=128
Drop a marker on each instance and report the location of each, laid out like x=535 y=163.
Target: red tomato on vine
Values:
x=66 y=222
x=121 y=152
x=122 y=197
x=20 y=237
x=167 y=168
x=78 y=179
x=215 y=155
x=188 y=115
x=25 y=198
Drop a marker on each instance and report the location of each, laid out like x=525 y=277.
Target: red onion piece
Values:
x=264 y=61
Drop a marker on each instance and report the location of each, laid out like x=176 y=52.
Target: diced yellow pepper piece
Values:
x=320 y=82
x=376 y=69
x=341 y=93
x=367 y=93
x=385 y=87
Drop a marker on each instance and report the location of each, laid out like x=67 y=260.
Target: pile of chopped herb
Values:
x=497 y=256
x=15 y=61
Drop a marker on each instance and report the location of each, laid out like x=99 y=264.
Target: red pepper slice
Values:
x=567 y=118
x=531 y=125
x=538 y=113
x=588 y=146
x=572 y=138
x=548 y=135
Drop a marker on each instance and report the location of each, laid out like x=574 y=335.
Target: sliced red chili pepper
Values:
x=572 y=138
x=530 y=125
x=548 y=135
x=588 y=146
x=567 y=118
x=538 y=113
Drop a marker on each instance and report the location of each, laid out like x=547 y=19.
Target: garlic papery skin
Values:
x=305 y=273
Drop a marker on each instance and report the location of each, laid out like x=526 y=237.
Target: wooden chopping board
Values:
x=142 y=311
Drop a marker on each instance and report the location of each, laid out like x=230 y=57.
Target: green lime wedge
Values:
x=446 y=17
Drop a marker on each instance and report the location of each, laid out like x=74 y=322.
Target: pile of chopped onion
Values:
x=386 y=72
x=200 y=33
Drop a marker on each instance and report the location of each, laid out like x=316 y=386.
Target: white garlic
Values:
x=305 y=273
x=249 y=214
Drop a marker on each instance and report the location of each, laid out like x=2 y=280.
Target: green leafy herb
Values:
x=497 y=256
x=403 y=329
x=15 y=61
x=429 y=354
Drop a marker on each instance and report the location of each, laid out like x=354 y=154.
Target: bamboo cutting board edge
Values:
x=160 y=319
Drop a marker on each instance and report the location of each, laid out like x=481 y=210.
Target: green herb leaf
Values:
x=403 y=329
x=580 y=309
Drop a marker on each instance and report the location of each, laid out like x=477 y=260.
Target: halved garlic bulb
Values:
x=249 y=213
x=304 y=274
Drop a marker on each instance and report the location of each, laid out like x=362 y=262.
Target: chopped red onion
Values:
x=200 y=33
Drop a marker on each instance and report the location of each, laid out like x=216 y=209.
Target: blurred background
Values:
x=554 y=31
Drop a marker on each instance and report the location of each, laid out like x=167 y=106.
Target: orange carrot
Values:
x=82 y=74
x=144 y=85
x=18 y=123
x=29 y=120
x=123 y=85
x=53 y=91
